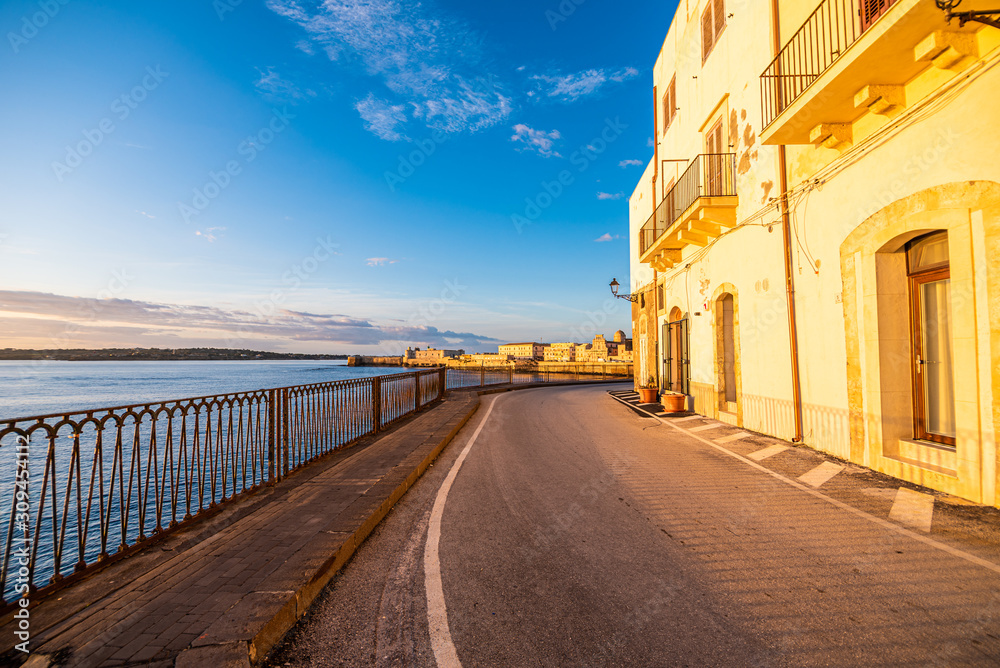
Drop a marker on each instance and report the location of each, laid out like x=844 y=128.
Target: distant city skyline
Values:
x=334 y=177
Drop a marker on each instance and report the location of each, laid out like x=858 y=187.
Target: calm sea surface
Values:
x=40 y=388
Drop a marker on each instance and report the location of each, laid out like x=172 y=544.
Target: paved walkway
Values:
x=888 y=498
x=222 y=592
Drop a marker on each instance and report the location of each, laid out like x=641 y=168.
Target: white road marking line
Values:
x=685 y=419
x=769 y=451
x=886 y=524
x=437 y=612
x=734 y=437
x=706 y=427
x=821 y=474
x=914 y=509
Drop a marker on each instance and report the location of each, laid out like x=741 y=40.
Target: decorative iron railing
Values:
x=80 y=488
x=822 y=39
x=708 y=175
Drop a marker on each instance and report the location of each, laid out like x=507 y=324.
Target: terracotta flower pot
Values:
x=674 y=402
x=647 y=395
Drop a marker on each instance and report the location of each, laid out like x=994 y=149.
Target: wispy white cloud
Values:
x=572 y=87
x=602 y=195
x=210 y=233
x=276 y=88
x=607 y=237
x=630 y=163
x=379 y=261
x=121 y=322
x=143 y=213
x=382 y=118
x=429 y=64
x=539 y=141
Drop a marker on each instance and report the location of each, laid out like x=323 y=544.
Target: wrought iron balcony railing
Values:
x=822 y=39
x=708 y=175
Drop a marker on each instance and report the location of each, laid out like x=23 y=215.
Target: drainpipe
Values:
x=786 y=235
x=656 y=148
x=656 y=175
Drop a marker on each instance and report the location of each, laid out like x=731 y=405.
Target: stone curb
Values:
x=250 y=629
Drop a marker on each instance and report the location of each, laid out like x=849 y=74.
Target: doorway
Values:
x=725 y=321
x=931 y=337
x=676 y=353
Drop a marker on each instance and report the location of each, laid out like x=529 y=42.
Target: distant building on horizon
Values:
x=430 y=355
x=524 y=351
x=560 y=352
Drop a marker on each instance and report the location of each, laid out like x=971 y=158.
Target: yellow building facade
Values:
x=524 y=351
x=815 y=244
x=560 y=352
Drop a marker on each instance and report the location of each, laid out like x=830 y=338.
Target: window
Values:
x=871 y=10
x=930 y=333
x=670 y=104
x=713 y=22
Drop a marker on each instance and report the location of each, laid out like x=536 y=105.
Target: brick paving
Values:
x=223 y=591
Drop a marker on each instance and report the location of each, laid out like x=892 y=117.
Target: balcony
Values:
x=694 y=211
x=855 y=57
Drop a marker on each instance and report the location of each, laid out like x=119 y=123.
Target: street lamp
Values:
x=614 y=290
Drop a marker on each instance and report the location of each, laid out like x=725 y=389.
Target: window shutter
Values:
x=673 y=98
x=707 y=32
x=871 y=10
x=720 y=18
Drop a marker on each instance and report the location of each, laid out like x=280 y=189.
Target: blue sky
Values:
x=319 y=176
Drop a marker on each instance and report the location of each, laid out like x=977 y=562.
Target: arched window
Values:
x=931 y=337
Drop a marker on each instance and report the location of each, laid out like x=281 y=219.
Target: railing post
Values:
x=510 y=375
x=482 y=375
x=442 y=381
x=376 y=404
x=416 y=391
x=272 y=410
x=285 y=429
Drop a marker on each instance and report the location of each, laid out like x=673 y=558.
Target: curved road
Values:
x=578 y=532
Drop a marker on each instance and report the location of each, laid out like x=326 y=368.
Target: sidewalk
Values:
x=929 y=516
x=221 y=592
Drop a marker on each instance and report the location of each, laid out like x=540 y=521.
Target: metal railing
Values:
x=822 y=39
x=708 y=175
x=80 y=488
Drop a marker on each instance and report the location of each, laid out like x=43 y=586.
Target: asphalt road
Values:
x=578 y=532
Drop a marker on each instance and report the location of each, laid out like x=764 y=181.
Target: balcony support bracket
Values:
x=947 y=50
x=881 y=99
x=837 y=136
x=666 y=259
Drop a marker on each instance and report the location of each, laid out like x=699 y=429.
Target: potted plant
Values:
x=674 y=402
x=648 y=391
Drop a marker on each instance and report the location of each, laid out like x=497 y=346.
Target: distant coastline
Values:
x=155 y=355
